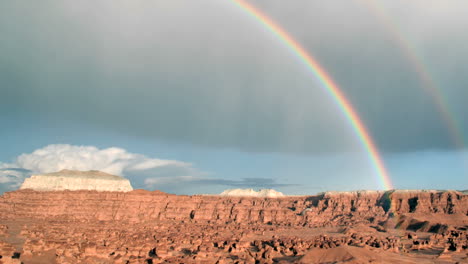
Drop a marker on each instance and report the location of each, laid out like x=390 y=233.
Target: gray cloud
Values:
x=245 y=183
x=219 y=79
x=11 y=178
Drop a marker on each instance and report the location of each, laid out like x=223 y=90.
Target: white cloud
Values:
x=113 y=160
x=10 y=176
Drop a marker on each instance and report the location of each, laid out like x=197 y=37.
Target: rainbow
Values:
x=428 y=84
x=329 y=85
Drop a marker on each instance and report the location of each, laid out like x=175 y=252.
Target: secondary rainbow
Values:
x=428 y=84
x=329 y=85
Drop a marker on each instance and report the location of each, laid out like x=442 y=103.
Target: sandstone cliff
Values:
x=154 y=227
x=327 y=209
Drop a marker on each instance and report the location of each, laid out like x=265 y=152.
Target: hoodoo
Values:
x=77 y=180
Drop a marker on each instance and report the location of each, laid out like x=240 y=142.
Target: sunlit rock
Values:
x=252 y=193
x=77 y=180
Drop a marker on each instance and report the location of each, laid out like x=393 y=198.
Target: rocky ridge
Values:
x=154 y=227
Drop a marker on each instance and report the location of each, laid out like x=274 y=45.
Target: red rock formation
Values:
x=140 y=205
x=152 y=227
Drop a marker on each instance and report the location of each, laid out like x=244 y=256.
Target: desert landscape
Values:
x=139 y=226
x=236 y=131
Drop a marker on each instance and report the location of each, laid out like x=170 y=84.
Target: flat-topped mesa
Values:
x=77 y=180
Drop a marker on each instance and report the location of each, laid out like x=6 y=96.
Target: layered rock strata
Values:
x=155 y=227
x=77 y=180
x=327 y=209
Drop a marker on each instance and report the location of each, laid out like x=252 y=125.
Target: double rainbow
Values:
x=329 y=85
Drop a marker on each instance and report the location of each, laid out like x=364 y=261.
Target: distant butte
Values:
x=252 y=193
x=77 y=180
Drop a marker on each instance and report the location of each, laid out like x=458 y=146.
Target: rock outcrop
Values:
x=154 y=227
x=327 y=209
x=77 y=180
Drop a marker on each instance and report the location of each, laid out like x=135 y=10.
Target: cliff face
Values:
x=429 y=202
x=154 y=227
x=328 y=209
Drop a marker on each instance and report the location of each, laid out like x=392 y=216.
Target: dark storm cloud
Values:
x=206 y=73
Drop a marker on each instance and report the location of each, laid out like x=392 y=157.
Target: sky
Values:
x=198 y=97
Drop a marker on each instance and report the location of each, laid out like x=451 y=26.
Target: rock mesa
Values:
x=77 y=180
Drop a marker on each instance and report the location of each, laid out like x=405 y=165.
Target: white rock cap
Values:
x=77 y=180
x=252 y=193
